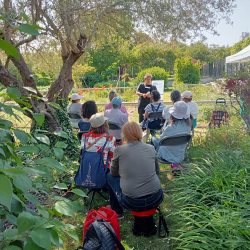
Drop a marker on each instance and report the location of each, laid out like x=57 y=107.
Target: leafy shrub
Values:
x=210 y=200
x=43 y=79
x=112 y=84
x=157 y=73
x=78 y=72
x=90 y=79
x=186 y=71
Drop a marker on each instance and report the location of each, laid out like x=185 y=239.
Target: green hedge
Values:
x=157 y=73
x=186 y=71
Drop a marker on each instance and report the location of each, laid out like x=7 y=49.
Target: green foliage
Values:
x=148 y=55
x=157 y=73
x=90 y=79
x=186 y=71
x=28 y=168
x=210 y=209
x=43 y=79
x=9 y=49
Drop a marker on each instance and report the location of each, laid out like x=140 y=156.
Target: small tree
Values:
x=186 y=71
x=239 y=88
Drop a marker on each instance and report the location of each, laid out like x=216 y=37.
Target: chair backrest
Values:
x=74 y=116
x=114 y=126
x=176 y=140
x=155 y=115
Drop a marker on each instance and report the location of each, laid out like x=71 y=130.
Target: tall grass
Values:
x=211 y=203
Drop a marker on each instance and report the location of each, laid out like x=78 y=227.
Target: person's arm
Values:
x=146 y=115
x=115 y=163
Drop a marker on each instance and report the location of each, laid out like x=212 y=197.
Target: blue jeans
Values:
x=155 y=141
x=118 y=200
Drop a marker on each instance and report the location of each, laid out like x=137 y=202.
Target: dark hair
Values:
x=175 y=96
x=89 y=108
x=75 y=101
x=155 y=95
x=175 y=120
x=102 y=129
x=112 y=94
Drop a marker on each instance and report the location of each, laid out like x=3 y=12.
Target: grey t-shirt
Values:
x=138 y=167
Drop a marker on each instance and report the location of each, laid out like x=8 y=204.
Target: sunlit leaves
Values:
x=9 y=49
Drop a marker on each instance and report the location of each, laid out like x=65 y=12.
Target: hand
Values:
x=148 y=95
x=144 y=95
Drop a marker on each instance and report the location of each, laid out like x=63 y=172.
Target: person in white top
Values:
x=187 y=97
x=74 y=110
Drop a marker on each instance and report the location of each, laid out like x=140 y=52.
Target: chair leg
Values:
x=92 y=198
x=162 y=223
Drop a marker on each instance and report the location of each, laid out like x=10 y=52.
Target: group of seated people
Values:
x=132 y=166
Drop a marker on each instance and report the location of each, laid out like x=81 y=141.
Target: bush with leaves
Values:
x=29 y=172
x=157 y=73
x=186 y=71
x=210 y=207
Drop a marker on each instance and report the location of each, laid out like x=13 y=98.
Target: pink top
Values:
x=109 y=106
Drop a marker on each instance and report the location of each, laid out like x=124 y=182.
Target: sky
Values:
x=231 y=33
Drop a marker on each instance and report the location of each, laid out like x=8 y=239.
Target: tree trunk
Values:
x=64 y=83
x=37 y=104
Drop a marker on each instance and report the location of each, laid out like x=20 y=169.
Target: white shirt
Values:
x=193 y=108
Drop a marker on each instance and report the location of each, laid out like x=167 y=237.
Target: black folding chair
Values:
x=74 y=116
x=114 y=126
x=74 y=119
x=174 y=141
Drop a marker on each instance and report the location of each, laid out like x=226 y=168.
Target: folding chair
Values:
x=114 y=127
x=174 y=141
x=74 y=119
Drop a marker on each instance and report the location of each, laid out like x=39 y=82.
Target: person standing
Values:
x=144 y=92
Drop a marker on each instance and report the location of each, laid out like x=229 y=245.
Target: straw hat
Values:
x=97 y=120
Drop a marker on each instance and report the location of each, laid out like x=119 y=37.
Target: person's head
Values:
x=187 y=96
x=75 y=98
x=98 y=123
x=112 y=94
x=179 y=112
x=175 y=96
x=116 y=102
x=131 y=132
x=155 y=96
x=148 y=79
x=89 y=108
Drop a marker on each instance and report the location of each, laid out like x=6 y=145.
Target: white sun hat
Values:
x=187 y=94
x=75 y=97
x=97 y=120
x=180 y=110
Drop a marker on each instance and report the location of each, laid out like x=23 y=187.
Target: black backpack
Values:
x=101 y=236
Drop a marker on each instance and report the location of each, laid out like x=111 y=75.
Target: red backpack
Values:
x=105 y=214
